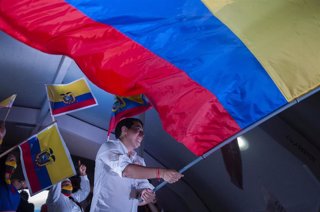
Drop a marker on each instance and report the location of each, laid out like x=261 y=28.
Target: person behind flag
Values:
x=9 y=195
x=61 y=198
x=120 y=174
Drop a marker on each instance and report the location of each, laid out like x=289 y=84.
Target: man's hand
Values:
x=2 y=130
x=170 y=175
x=148 y=196
x=82 y=169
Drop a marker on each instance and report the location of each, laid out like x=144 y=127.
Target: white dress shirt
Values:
x=112 y=191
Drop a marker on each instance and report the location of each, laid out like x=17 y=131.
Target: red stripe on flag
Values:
x=119 y=65
x=29 y=167
x=74 y=106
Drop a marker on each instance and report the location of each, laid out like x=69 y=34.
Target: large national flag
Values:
x=66 y=98
x=210 y=68
x=8 y=102
x=45 y=159
x=124 y=107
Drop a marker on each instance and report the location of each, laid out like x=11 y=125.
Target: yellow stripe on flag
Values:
x=283 y=35
x=63 y=166
x=8 y=102
x=78 y=87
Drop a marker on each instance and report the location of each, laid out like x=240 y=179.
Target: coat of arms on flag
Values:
x=124 y=107
x=8 y=102
x=66 y=98
x=45 y=159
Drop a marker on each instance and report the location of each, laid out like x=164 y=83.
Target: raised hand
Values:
x=170 y=175
x=82 y=169
x=148 y=196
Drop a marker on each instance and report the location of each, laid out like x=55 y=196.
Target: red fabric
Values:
x=125 y=114
x=74 y=106
x=32 y=176
x=115 y=63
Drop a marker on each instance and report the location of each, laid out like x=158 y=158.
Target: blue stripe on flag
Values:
x=41 y=171
x=185 y=33
x=80 y=98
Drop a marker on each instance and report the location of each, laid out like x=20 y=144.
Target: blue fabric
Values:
x=80 y=98
x=185 y=33
x=41 y=171
x=9 y=197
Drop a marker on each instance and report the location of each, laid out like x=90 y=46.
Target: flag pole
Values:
x=200 y=158
x=7 y=114
x=12 y=148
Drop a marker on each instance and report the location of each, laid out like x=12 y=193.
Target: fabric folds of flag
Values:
x=8 y=102
x=66 y=98
x=45 y=159
x=210 y=69
x=125 y=107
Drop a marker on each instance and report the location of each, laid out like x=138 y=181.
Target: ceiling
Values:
x=282 y=163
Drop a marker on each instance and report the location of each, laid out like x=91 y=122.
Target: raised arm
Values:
x=84 y=190
x=54 y=193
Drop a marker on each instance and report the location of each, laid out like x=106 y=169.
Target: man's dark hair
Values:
x=127 y=122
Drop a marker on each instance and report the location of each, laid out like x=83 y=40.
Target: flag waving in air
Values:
x=210 y=68
x=45 y=159
x=8 y=102
x=66 y=98
x=125 y=107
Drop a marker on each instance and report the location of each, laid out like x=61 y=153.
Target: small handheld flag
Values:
x=8 y=102
x=45 y=160
x=124 y=107
x=66 y=98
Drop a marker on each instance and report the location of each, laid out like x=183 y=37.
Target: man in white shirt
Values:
x=61 y=198
x=121 y=175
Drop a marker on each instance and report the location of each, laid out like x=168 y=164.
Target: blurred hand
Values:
x=170 y=175
x=148 y=196
x=82 y=169
x=2 y=130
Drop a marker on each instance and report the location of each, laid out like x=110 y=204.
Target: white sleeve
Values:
x=115 y=160
x=143 y=184
x=54 y=193
x=84 y=190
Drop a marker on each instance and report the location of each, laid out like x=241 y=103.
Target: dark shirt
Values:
x=25 y=206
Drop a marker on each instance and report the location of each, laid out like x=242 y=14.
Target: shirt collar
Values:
x=134 y=153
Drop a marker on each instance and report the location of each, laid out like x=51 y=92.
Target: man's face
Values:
x=135 y=134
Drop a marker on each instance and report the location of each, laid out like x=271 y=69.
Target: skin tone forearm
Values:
x=141 y=172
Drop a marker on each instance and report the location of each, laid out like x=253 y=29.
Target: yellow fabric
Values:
x=11 y=163
x=8 y=102
x=62 y=167
x=282 y=34
x=67 y=187
x=77 y=88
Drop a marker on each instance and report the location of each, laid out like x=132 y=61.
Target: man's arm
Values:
x=54 y=193
x=84 y=190
x=141 y=172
